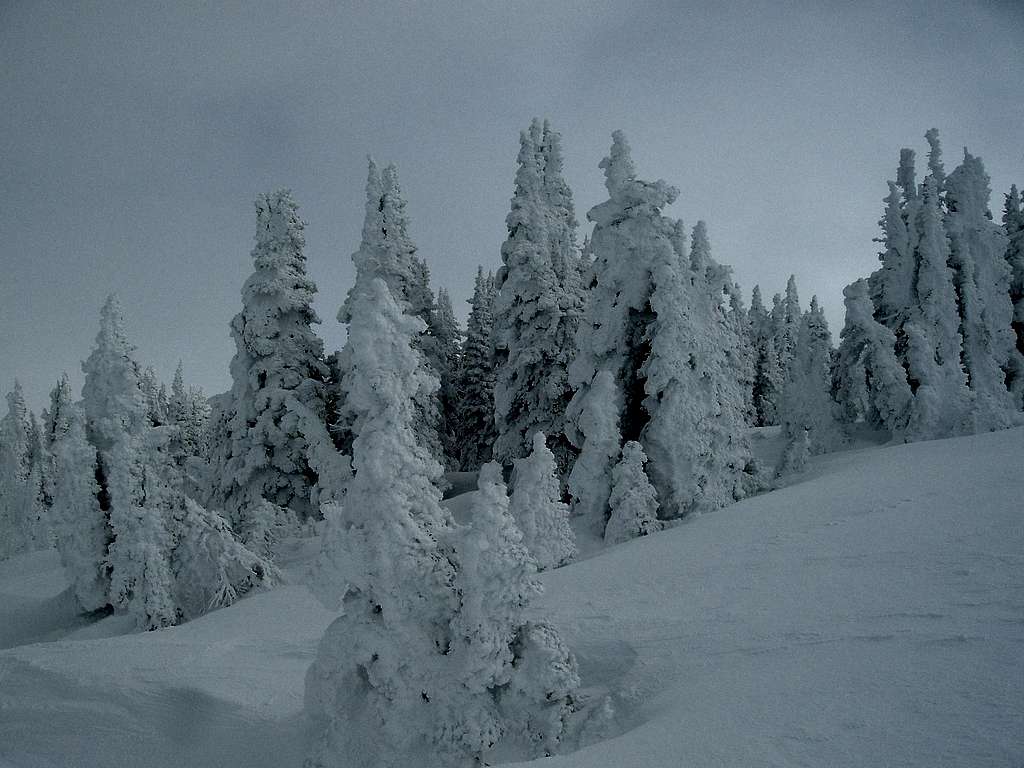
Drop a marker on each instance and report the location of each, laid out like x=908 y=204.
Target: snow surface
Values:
x=871 y=613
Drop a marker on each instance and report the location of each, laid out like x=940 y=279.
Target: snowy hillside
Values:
x=872 y=613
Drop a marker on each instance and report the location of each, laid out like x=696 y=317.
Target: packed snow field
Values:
x=870 y=613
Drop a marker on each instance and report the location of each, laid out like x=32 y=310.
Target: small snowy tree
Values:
x=768 y=381
x=444 y=329
x=277 y=356
x=633 y=502
x=538 y=509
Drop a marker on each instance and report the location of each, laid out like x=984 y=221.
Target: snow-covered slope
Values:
x=872 y=613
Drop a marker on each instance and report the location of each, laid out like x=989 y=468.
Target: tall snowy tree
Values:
x=942 y=400
x=536 y=309
x=81 y=527
x=476 y=382
x=653 y=362
x=16 y=508
x=145 y=516
x=807 y=415
x=386 y=251
x=695 y=440
x=256 y=453
x=768 y=379
x=982 y=279
x=538 y=508
x=398 y=677
x=870 y=383
x=447 y=335
x=1013 y=226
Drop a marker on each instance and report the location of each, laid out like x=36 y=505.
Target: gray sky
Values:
x=134 y=137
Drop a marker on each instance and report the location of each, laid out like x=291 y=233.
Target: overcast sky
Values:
x=134 y=137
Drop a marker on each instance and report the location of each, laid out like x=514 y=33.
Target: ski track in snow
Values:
x=870 y=613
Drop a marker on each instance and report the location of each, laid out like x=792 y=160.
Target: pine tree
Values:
x=767 y=383
x=788 y=326
x=870 y=383
x=808 y=420
x=941 y=399
x=1013 y=225
x=629 y=235
x=982 y=279
x=633 y=502
x=82 y=530
x=255 y=455
x=536 y=310
x=538 y=508
x=741 y=351
x=695 y=440
x=387 y=252
x=15 y=492
x=528 y=670
x=476 y=385
x=375 y=686
x=444 y=329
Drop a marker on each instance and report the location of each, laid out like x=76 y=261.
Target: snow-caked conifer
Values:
x=633 y=501
x=255 y=454
x=536 y=309
x=538 y=508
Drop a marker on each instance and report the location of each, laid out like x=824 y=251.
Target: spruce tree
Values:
x=982 y=278
x=538 y=508
x=536 y=309
x=1013 y=225
x=15 y=492
x=387 y=252
x=808 y=418
x=476 y=384
x=256 y=454
x=870 y=383
x=633 y=502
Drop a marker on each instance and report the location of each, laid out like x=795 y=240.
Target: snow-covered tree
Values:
x=536 y=310
x=807 y=414
x=768 y=377
x=375 y=688
x=695 y=440
x=1013 y=226
x=525 y=667
x=982 y=279
x=787 y=316
x=386 y=251
x=654 y=356
x=942 y=400
x=476 y=382
x=633 y=501
x=538 y=508
x=741 y=351
x=130 y=521
x=870 y=383
x=16 y=508
x=411 y=672
x=254 y=452
x=81 y=528
x=447 y=335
